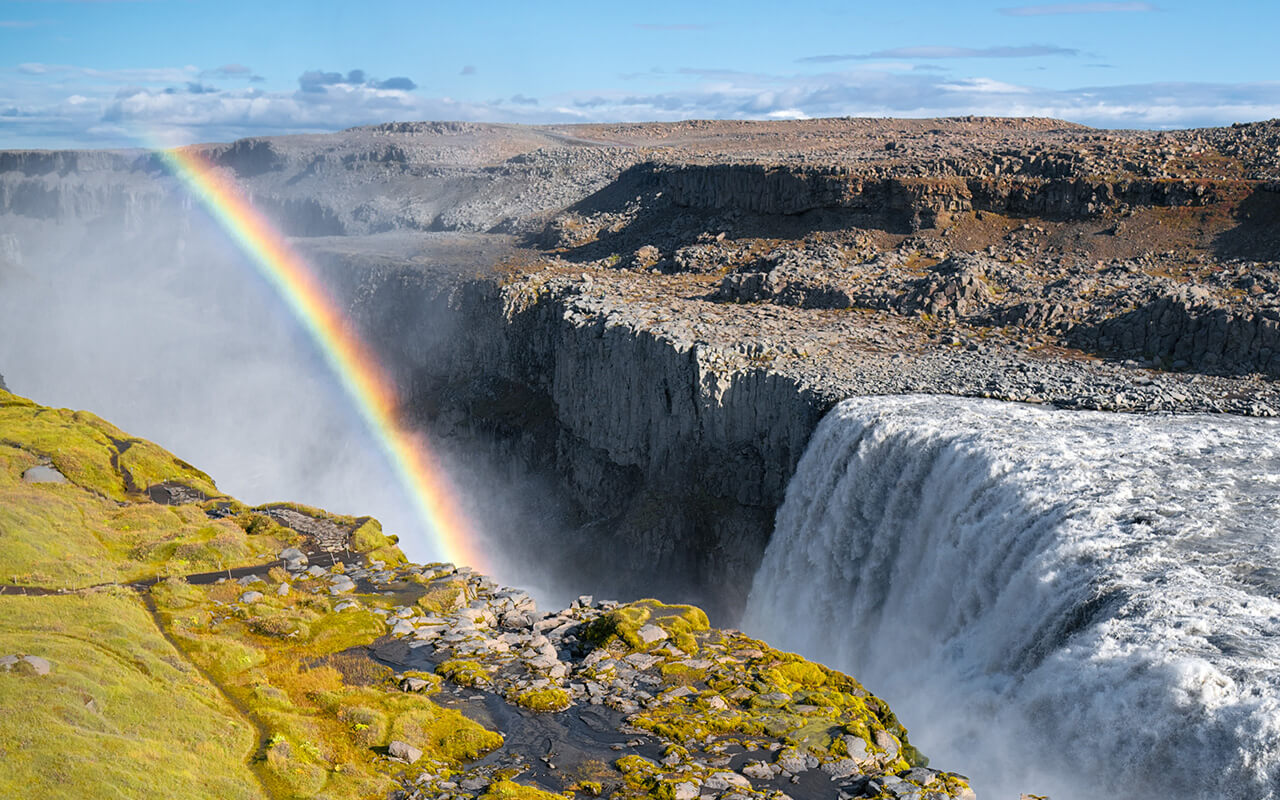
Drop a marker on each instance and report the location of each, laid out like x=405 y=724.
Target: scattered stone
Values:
x=686 y=790
x=38 y=665
x=43 y=474
x=404 y=751
x=649 y=634
x=251 y=597
x=726 y=780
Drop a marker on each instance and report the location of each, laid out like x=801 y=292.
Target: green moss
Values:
x=84 y=448
x=509 y=790
x=443 y=596
x=445 y=733
x=802 y=673
x=464 y=673
x=369 y=539
x=91 y=728
x=91 y=530
x=549 y=699
x=621 y=626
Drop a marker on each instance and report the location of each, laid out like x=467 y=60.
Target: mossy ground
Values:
x=299 y=669
x=278 y=697
x=623 y=624
x=95 y=529
x=295 y=712
x=121 y=713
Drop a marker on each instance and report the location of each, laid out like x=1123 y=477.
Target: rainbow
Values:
x=354 y=364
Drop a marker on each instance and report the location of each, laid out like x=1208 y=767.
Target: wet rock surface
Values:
x=621 y=700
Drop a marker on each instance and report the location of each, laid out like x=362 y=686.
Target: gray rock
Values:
x=402 y=628
x=857 y=747
x=404 y=751
x=342 y=586
x=474 y=783
x=43 y=474
x=889 y=743
x=649 y=634
x=686 y=790
x=726 y=780
x=842 y=768
x=282 y=590
x=792 y=762
x=251 y=597
x=758 y=770
x=40 y=665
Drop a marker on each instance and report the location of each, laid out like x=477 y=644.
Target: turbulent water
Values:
x=1067 y=603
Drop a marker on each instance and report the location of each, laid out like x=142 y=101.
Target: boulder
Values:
x=686 y=790
x=726 y=780
x=404 y=751
x=251 y=597
x=402 y=628
x=649 y=634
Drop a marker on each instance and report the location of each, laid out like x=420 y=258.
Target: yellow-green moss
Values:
x=509 y=790
x=443 y=596
x=548 y=699
x=463 y=673
x=369 y=539
x=621 y=625
x=92 y=727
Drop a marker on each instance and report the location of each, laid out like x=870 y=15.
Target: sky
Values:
x=123 y=73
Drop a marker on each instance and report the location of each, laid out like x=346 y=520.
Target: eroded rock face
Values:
x=679 y=303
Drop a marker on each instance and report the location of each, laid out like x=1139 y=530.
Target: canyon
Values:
x=652 y=320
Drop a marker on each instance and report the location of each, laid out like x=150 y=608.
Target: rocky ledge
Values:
x=602 y=698
x=296 y=653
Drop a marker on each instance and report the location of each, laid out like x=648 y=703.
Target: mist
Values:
x=164 y=328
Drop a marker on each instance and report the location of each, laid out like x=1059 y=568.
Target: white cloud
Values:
x=98 y=112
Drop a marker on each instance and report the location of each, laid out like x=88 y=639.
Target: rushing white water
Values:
x=1072 y=603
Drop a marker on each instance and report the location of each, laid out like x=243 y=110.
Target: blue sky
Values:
x=119 y=73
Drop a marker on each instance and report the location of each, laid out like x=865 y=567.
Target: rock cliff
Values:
x=654 y=317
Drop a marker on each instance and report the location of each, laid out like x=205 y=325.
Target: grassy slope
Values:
x=93 y=529
x=121 y=714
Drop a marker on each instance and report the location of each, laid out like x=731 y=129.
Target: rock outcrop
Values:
x=280 y=677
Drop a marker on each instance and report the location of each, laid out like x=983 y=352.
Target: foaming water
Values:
x=1066 y=603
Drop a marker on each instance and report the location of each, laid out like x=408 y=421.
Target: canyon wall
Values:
x=673 y=456
x=916 y=202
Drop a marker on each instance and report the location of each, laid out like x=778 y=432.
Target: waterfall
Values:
x=1065 y=603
